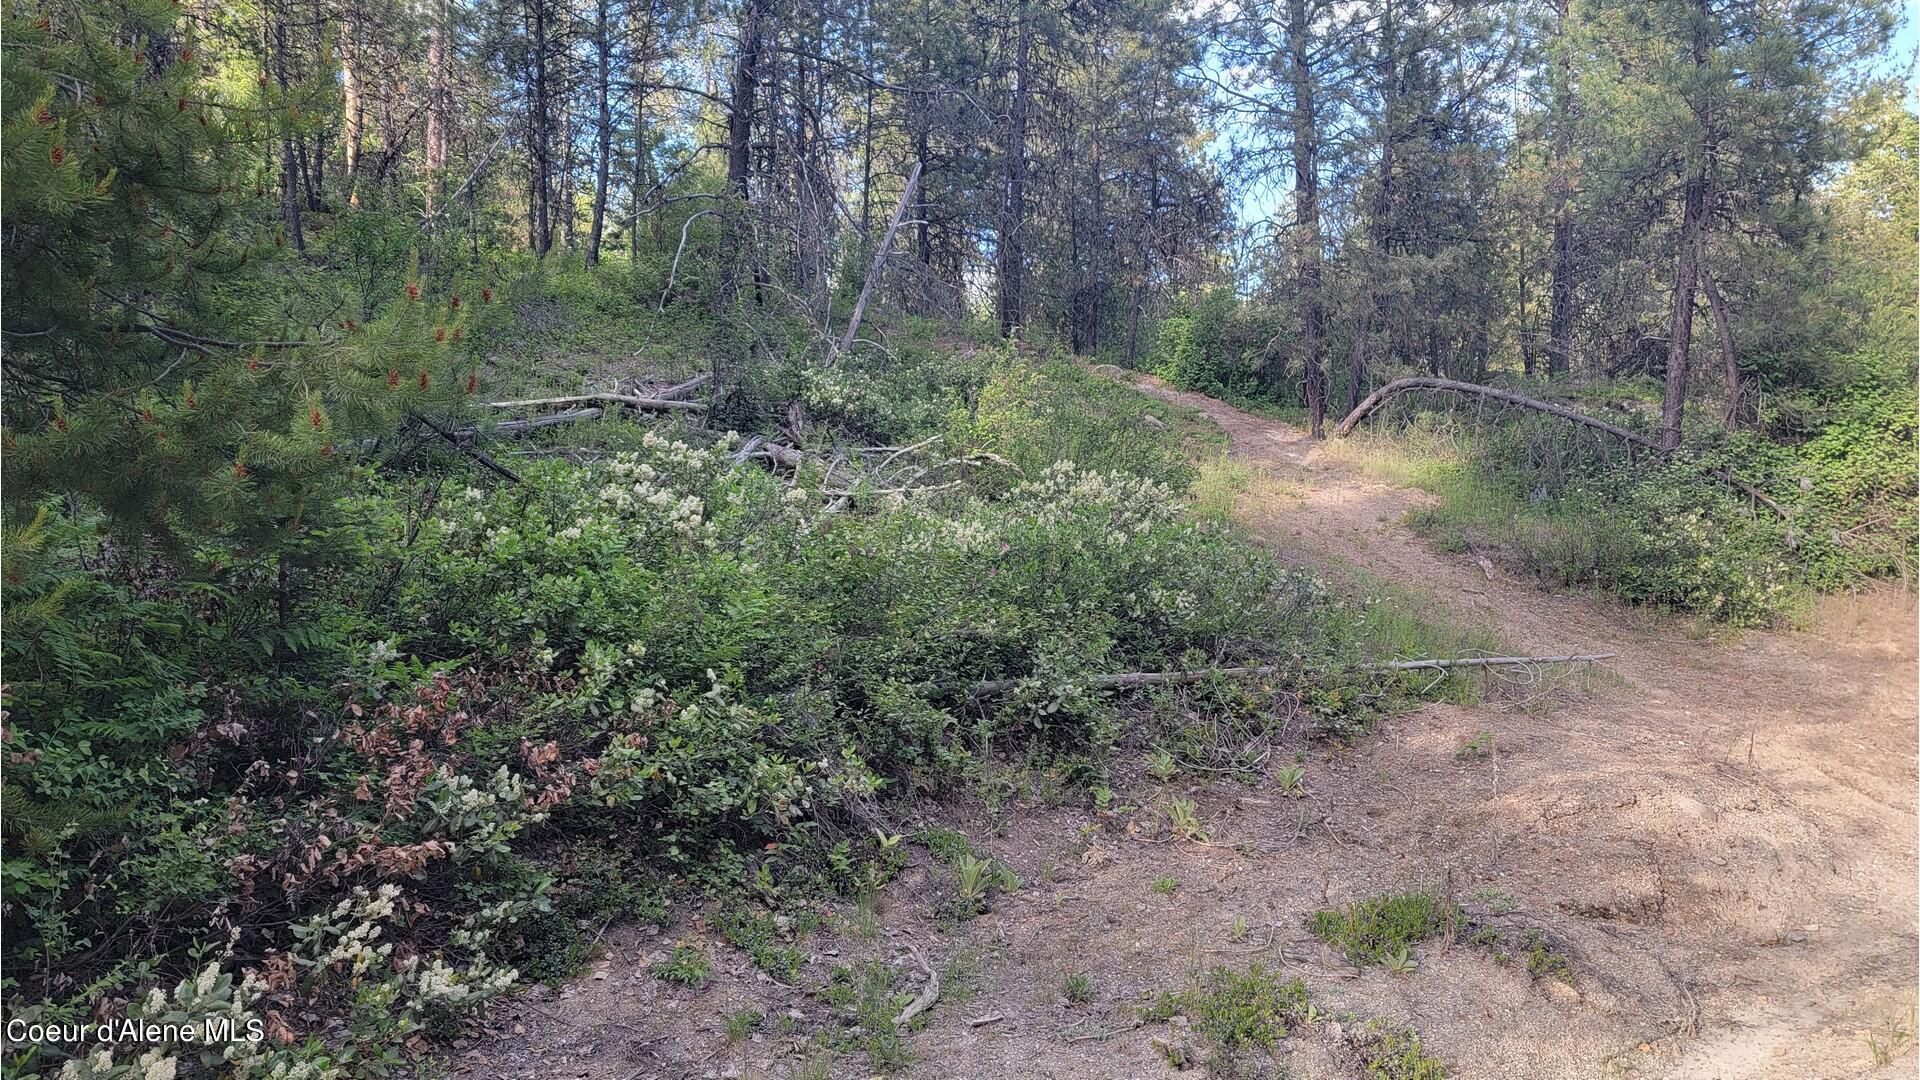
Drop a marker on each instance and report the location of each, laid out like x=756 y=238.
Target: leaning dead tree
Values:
x=1423 y=382
x=880 y=258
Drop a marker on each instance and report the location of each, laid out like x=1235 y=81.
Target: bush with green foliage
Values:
x=1368 y=931
x=1214 y=344
x=696 y=669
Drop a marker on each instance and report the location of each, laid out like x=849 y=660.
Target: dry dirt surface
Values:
x=1721 y=842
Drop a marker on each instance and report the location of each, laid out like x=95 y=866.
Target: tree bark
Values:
x=1379 y=225
x=740 y=113
x=1306 y=205
x=351 y=108
x=540 y=190
x=290 y=170
x=439 y=61
x=1729 y=358
x=1011 y=243
x=1560 y=194
x=1686 y=274
x=603 y=118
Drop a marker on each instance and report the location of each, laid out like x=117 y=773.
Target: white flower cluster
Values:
x=155 y=1064
x=216 y=1010
x=442 y=987
x=479 y=818
x=352 y=927
x=1131 y=504
x=664 y=486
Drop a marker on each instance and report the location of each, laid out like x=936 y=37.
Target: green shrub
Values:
x=1239 y=1009
x=529 y=707
x=1368 y=931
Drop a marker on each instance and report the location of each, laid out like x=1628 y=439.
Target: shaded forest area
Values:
x=476 y=471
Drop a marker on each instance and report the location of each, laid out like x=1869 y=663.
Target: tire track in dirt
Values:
x=1763 y=785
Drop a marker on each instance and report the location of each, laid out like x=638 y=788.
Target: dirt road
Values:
x=1723 y=846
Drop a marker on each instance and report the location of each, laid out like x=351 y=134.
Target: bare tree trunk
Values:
x=746 y=86
x=351 y=108
x=603 y=146
x=1306 y=204
x=439 y=60
x=1560 y=190
x=1387 y=76
x=880 y=258
x=563 y=166
x=1686 y=274
x=290 y=170
x=540 y=191
x=1729 y=359
x=1680 y=326
x=642 y=154
x=1011 y=244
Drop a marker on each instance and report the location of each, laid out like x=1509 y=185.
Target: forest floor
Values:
x=1720 y=842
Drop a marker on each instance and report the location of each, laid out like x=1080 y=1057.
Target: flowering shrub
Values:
x=687 y=665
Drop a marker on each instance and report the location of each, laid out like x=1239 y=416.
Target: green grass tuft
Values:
x=1370 y=931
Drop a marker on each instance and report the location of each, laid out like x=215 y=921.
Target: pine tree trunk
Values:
x=540 y=222
x=1011 y=244
x=603 y=117
x=351 y=109
x=439 y=61
x=1560 y=284
x=1729 y=358
x=290 y=170
x=1693 y=224
x=740 y=112
x=1306 y=205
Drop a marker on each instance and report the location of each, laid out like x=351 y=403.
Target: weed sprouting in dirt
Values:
x=1243 y=1008
x=1370 y=931
x=687 y=965
x=741 y=1022
x=1292 y=781
x=866 y=994
x=1475 y=747
x=1184 y=816
x=1392 y=1051
x=771 y=939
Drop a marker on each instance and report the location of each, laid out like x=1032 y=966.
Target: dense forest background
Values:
x=306 y=644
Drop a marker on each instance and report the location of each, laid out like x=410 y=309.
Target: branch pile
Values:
x=865 y=472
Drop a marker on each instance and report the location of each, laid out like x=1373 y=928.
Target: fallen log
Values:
x=1454 y=386
x=1178 y=678
x=631 y=401
x=534 y=423
x=1490 y=661
x=677 y=390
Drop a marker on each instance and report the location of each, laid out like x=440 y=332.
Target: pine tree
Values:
x=162 y=363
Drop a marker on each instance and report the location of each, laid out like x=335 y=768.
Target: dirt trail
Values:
x=1724 y=847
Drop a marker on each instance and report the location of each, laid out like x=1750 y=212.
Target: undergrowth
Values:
x=355 y=795
x=1575 y=510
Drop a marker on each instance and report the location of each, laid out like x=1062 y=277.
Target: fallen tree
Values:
x=1380 y=396
x=631 y=401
